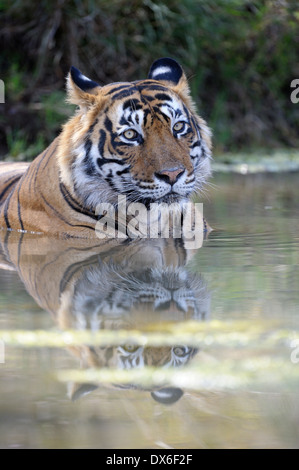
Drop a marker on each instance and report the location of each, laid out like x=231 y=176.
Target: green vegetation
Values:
x=240 y=57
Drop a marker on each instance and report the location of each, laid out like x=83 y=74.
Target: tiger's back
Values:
x=10 y=174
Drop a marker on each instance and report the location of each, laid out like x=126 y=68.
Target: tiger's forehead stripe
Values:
x=120 y=87
x=145 y=102
x=143 y=89
x=132 y=103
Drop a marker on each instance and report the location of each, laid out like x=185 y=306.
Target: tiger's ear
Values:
x=81 y=90
x=169 y=71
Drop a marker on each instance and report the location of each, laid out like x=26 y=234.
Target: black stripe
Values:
x=158 y=111
x=47 y=161
x=74 y=268
x=121 y=87
x=19 y=209
x=116 y=145
x=187 y=112
x=151 y=87
x=109 y=179
x=108 y=124
x=10 y=177
x=92 y=260
x=5 y=247
x=63 y=218
x=39 y=164
x=163 y=97
x=121 y=172
x=195 y=125
x=19 y=249
x=75 y=204
x=87 y=147
x=102 y=142
x=30 y=177
x=6 y=210
x=91 y=128
x=146 y=113
x=134 y=104
x=196 y=144
x=89 y=167
x=102 y=161
x=124 y=94
x=76 y=250
x=146 y=98
x=16 y=178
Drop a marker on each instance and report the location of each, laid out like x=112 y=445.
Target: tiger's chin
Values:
x=169 y=198
x=173 y=197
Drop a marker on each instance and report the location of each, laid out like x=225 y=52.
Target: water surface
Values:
x=150 y=345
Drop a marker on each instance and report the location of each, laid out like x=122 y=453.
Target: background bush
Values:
x=240 y=57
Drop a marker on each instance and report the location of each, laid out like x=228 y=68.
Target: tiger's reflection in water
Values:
x=113 y=286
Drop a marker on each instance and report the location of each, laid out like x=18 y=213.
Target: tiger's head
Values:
x=141 y=139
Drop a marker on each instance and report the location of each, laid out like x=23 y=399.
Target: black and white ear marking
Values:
x=166 y=69
x=83 y=82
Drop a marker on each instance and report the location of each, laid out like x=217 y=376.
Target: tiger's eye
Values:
x=130 y=134
x=179 y=126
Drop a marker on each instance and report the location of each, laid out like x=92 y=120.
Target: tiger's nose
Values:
x=171 y=175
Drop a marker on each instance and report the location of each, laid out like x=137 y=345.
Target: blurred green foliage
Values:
x=240 y=58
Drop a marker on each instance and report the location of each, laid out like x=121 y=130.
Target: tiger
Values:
x=143 y=140
x=105 y=285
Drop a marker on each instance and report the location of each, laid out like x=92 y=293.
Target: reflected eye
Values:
x=180 y=351
x=179 y=126
x=130 y=347
x=130 y=134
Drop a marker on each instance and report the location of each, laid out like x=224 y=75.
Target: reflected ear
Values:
x=81 y=89
x=76 y=391
x=168 y=395
x=171 y=74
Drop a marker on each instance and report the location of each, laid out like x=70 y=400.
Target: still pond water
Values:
x=149 y=345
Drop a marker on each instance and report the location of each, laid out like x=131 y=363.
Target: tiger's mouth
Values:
x=169 y=198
